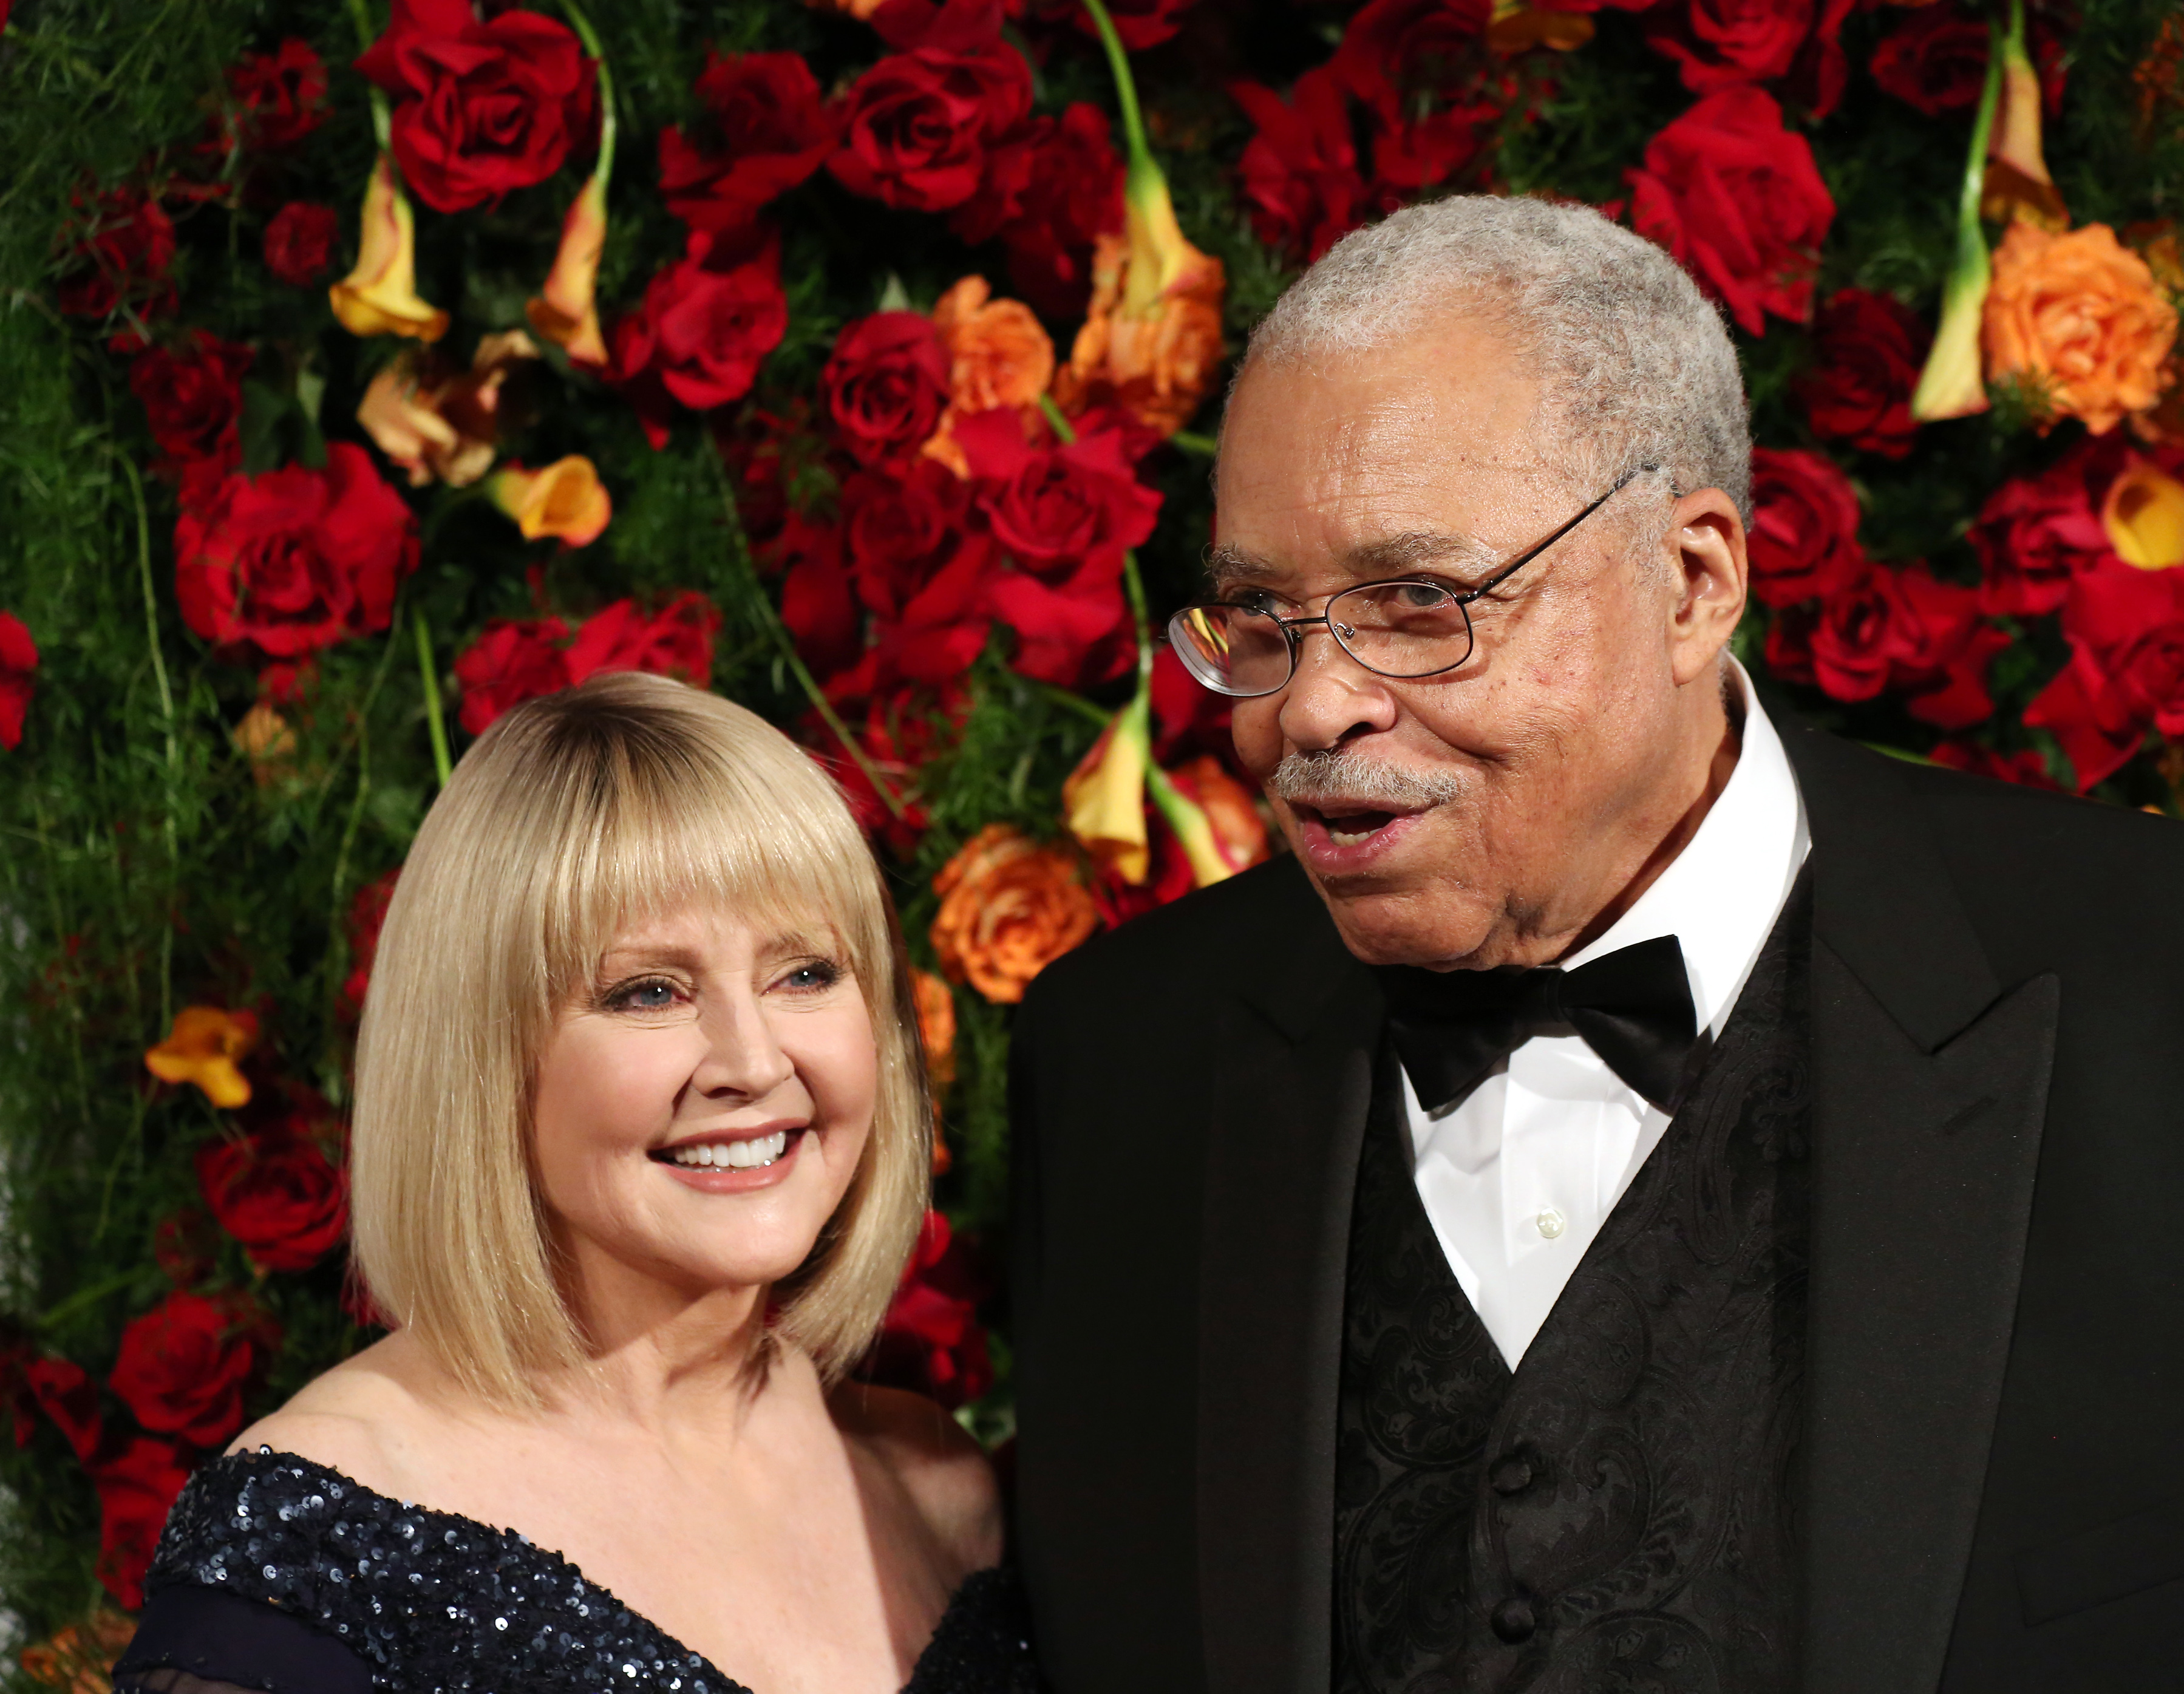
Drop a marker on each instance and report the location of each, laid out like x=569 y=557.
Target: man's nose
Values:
x=1332 y=696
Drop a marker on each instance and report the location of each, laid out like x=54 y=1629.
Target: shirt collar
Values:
x=1720 y=896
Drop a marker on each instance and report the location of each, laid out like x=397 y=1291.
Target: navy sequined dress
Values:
x=280 y=1576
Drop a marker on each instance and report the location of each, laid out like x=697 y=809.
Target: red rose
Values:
x=138 y=1487
x=1074 y=633
x=931 y=1342
x=1867 y=350
x=19 y=663
x=68 y=1395
x=1804 y=527
x=299 y=242
x=183 y=1246
x=1300 y=171
x=367 y=912
x=1719 y=43
x=2025 y=767
x=1893 y=629
x=1074 y=196
x=1056 y=509
x=277 y=1193
x=708 y=322
x=922 y=573
x=764 y=131
x=192 y=398
x=676 y=641
x=1188 y=717
x=123 y=242
x=887 y=385
x=1435 y=44
x=278 y=98
x=1141 y=23
x=818 y=605
x=295 y=559
x=2037 y=534
x=1936 y=59
x=897 y=742
x=2125 y=671
x=1737 y=199
x=183 y=1367
x=479 y=108
x=510 y=662
x=916 y=127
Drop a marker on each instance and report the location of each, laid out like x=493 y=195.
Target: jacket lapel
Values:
x=1295 y=1061
x=1930 y=1094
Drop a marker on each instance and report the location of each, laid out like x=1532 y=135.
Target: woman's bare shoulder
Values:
x=940 y=1464
x=367 y=1418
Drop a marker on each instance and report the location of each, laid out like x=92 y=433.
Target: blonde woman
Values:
x=640 y=1148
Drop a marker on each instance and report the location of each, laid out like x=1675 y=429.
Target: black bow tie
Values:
x=1633 y=1007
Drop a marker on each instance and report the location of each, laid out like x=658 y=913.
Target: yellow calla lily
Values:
x=205 y=1048
x=565 y=500
x=379 y=295
x=1104 y=798
x=2144 y=517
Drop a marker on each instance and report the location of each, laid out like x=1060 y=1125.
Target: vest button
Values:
x=1513 y=1621
x=1512 y=1474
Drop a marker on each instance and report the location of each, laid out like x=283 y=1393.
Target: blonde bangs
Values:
x=572 y=818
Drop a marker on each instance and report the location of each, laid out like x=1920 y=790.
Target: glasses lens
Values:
x=1402 y=629
x=1232 y=649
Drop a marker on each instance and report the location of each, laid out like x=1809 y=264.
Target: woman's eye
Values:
x=654 y=993
x=811 y=976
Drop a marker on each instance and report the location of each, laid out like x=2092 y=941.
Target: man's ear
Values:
x=1705 y=542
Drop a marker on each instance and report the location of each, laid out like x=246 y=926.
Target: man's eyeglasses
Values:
x=1405 y=629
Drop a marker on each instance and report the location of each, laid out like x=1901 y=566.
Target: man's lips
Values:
x=1339 y=839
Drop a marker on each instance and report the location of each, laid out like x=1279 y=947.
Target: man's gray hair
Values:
x=1635 y=365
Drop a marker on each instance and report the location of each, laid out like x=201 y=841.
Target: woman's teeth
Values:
x=735 y=1155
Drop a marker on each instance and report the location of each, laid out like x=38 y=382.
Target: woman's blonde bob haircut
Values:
x=572 y=816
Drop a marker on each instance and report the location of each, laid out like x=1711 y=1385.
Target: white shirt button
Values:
x=1551 y=1223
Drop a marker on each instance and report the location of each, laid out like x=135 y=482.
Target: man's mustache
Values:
x=1324 y=778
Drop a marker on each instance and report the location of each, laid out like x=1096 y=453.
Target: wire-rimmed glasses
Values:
x=1405 y=629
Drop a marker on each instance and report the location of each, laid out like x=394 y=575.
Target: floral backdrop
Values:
x=365 y=371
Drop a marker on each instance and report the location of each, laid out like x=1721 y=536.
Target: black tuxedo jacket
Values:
x=1993 y=1495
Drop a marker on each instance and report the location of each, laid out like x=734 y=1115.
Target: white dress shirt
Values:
x=1519 y=1175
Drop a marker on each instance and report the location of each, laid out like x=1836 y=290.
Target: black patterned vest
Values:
x=1617 y=1515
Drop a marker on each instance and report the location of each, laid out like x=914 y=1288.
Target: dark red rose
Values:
x=277 y=1193
x=916 y=128
x=1141 y=23
x=512 y=661
x=1056 y=509
x=1300 y=171
x=367 y=912
x=121 y=244
x=184 y=1244
x=931 y=1342
x=1821 y=71
x=2025 y=766
x=1893 y=629
x=1737 y=199
x=277 y=98
x=2036 y=535
x=295 y=559
x=19 y=663
x=184 y=1366
x=1804 y=527
x=138 y=1487
x=1074 y=632
x=300 y=243
x=708 y=322
x=481 y=108
x=1936 y=59
x=1168 y=877
x=763 y=450
x=1867 y=350
x=1431 y=44
x=1074 y=196
x=1719 y=43
x=764 y=131
x=1188 y=717
x=676 y=641
x=954 y=24
x=2125 y=671
x=887 y=385
x=897 y=742
x=192 y=398
x=1410 y=156
x=922 y=571
x=818 y=604
x=65 y=1394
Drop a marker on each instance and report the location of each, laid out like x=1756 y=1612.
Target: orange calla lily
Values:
x=205 y=1048
x=565 y=500
x=1516 y=28
x=2018 y=186
x=2144 y=517
x=1950 y=385
x=379 y=295
x=565 y=311
x=1104 y=797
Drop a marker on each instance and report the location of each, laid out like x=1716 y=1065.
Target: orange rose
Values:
x=204 y=1047
x=936 y=1030
x=2080 y=315
x=434 y=421
x=1158 y=364
x=1009 y=908
x=998 y=355
x=79 y=1657
x=264 y=737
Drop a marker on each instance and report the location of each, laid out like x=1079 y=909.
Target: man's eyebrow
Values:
x=1226 y=564
x=1391 y=555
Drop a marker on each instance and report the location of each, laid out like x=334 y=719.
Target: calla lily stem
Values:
x=435 y=719
x=1126 y=89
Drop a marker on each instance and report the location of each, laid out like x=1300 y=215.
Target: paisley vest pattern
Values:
x=1617 y=1515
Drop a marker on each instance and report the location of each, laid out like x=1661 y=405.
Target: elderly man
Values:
x=1640 y=1197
